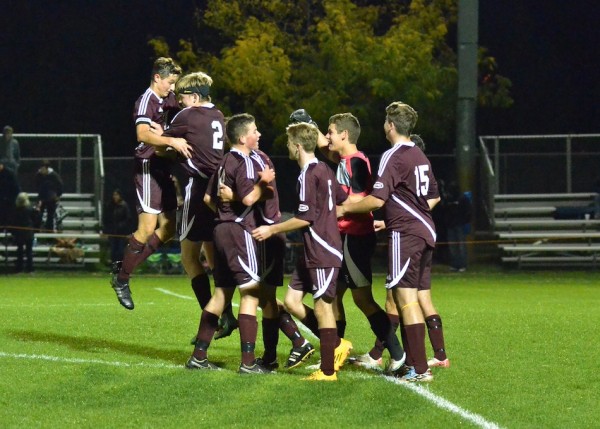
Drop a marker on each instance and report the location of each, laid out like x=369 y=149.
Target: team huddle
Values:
x=231 y=215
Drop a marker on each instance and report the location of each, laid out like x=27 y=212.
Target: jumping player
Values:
x=157 y=202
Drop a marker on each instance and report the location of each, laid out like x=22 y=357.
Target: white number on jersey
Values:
x=217 y=135
x=422 y=180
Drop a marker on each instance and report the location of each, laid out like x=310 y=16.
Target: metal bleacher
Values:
x=547 y=229
x=81 y=223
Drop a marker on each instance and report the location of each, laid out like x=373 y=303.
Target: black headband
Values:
x=203 y=90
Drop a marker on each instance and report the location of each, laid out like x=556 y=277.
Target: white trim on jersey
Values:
x=192 y=166
x=302 y=178
x=323 y=243
x=146 y=197
x=388 y=154
x=398 y=269
x=415 y=214
x=323 y=280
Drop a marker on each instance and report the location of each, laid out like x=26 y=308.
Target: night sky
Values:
x=78 y=66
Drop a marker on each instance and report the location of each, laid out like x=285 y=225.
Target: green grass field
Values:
x=523 y=347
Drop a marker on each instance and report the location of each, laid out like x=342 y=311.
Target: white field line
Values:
x=168 y=292
x=419 y=390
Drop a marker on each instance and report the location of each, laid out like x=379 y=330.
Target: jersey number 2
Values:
x=217 y=135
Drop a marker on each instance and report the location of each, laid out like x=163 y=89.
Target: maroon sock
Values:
x=248 y=333
x=409 y=358
x=130 y=258
x=436 y=335
x=329 y=340
x=290 y=329
x=415 y=335
x=152 y=246
x=270 y=331
x=201 y=288
x=310 y=321
x=209 y=323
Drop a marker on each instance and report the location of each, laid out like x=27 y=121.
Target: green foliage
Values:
x=271 y=57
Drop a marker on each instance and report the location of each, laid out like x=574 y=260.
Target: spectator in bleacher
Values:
x=25 y=220
x=9 y=188
x=117 y=225
x=50 y=188
x=10 y=153
x=457 y=215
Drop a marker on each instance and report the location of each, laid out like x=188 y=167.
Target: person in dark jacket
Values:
x=457 y=215
x=9 y=188
x=50 y=188
x=117 y=225
x=24 y=222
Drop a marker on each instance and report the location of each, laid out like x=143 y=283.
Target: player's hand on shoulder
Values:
x=378 y=225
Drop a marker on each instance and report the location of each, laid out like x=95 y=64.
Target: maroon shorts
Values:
x=320 y=282
x=236 y=262
x=197 y=219
x=409 y=262
x=154 y=187
x=271 y=255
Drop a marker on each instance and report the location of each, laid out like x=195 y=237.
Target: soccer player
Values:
x=353 y=173
x=236 y=264
x=433 y=319
x=406 y=185
x=157 y=202
x=316 y=273
x=202 y=125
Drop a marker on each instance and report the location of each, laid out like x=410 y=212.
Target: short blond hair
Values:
x=197 y=82
x=306 y=135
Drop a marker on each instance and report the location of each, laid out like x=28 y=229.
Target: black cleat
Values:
x=123 y=292
x=254 y=369
x=115 y=267
x=194 y=363
x=299 y=355
x=228 y=324
x=271 y=366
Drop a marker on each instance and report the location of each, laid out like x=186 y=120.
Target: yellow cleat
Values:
x=320 y=376
x=340 y=354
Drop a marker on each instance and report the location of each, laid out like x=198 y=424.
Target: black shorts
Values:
x=271 y=256
x=356 y=266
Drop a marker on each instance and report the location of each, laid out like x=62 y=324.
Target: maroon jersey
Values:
x=237 y=171
x=405 y=182
x=354 y=174
x=267 y=211
x=151 y=108
x=318 y=194
x=202 y=127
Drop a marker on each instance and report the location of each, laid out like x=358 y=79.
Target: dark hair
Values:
x=165 y=67
x=237 y=126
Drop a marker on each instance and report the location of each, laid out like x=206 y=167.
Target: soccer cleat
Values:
x=433 y=362
x=123 y=292
x=194 y=363
x=320 y=376
x=395 y=365
x=340 y=353
x=115 y=267
x=366 y=361
x=299 y=354
x=271 y=366
x=413 y=377
x=228 y=325
x=255 y=368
